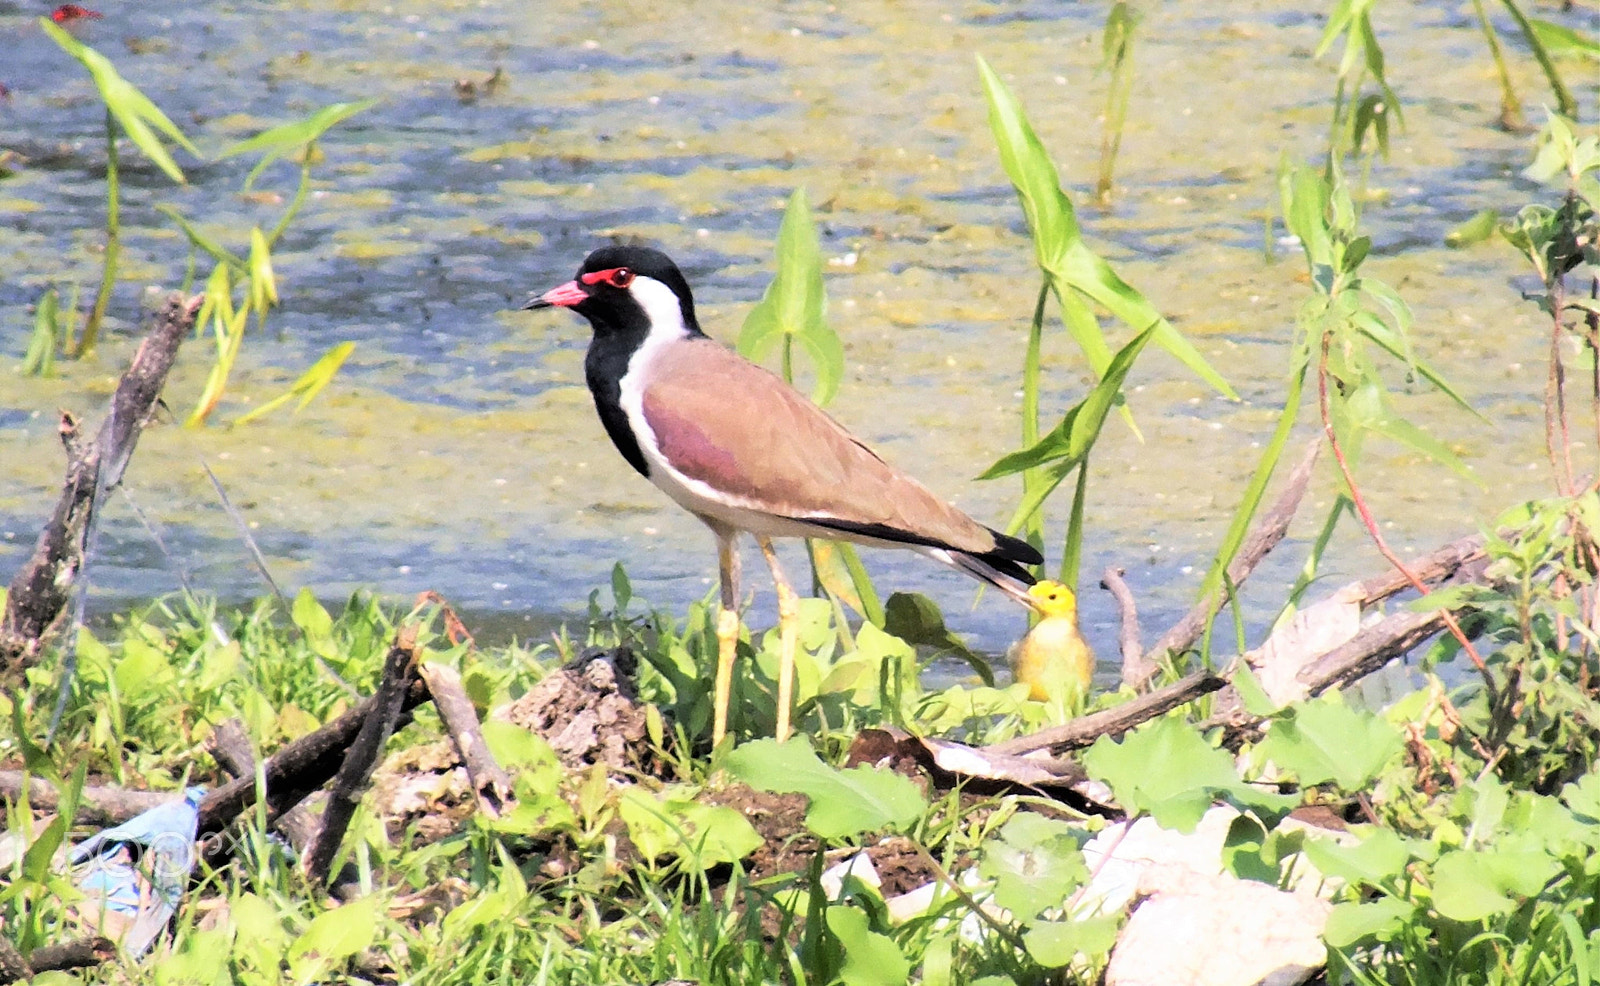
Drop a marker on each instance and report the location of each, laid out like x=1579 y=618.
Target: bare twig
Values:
x=383 y=714
x=1134 y=670
x=489 y=782
x=1269 y=530
x=1085 y=730
x=96 y=805
x=1441 y=563
x=41 y=589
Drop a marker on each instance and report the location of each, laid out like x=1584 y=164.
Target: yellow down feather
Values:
x=1053 y=659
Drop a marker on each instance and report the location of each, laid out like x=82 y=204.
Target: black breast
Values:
x=604 y=367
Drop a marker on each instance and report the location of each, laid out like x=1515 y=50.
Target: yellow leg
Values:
x=788 y=612
x=727 y=632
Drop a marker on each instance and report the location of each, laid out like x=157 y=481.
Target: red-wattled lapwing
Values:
x=743 y=451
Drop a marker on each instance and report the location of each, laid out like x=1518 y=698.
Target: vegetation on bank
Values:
x=1470 y=806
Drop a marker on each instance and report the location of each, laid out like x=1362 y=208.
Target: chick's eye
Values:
x=621 y=277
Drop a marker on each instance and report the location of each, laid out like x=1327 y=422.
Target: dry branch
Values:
x=1269 y=530
x=299 y=768
x=96 y=805
x=490 y=785
x=1084 y=730
x=40 y=590
x=78 y=954
x=1133 y=673
x=383 y=714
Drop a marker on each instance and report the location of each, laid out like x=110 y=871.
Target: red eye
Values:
x=617 y=277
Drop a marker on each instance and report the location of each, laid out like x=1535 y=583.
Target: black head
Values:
x=626 y=289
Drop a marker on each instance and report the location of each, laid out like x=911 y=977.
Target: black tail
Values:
x=1002 y=567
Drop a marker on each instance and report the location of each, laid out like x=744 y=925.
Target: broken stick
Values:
x=383 y=714
x=41 y=589
x=489 y=782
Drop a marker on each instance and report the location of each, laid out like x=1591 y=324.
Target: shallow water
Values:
x=458 y=449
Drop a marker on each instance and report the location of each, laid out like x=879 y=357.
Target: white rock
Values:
x=1219 y=931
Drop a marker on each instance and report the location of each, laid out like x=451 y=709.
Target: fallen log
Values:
x=96 y=805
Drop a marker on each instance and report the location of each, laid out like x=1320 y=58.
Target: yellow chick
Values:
x=1053 y=659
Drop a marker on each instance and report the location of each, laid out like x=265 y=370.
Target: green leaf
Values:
x=1326 y=740
x=131 y=108
x=1239 y=526
x=1560 y=40
x=1367 y=407
x=870 y=959
x=1071 y=440
x=311 y=616
x=263 y=284
x=310 y=384
x=36 y=861
x=843 y=802
x=203 y=242
x=794 y=304
x=1164 y=768
x=40 y=360
x=1361 y=922
x=1380 y=856
x=1058 y=245
x=332 y=937
x=291 y=137
x=1470 y=886
x=916 y=619
x=1048 y=210
x=1395 y=344
x=1035 y=862
x=838 y=569
x=1054 y=944
x=701 y=834
x=621 y=588
x=1473 y=231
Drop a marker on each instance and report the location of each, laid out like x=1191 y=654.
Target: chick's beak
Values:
x=562 y=296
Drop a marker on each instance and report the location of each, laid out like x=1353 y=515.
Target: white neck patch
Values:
x=663 y=309
x=661 y=305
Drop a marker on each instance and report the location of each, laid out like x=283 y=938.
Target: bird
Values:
x=1054 y=660
x=737 y=447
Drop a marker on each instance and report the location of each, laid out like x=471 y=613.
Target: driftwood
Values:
x=383 y=715
x=40 y=591
x=1132 y=651
x=1360 y=655
x=1115 y=721
x=78 y=954
x=490 y=785
x=230 y=747
x=299 y=768
x=1269 y=530
x=96 y=805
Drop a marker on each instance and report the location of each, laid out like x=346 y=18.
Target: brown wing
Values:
x=776 y=451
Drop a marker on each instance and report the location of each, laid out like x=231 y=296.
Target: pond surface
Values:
x=458 y=450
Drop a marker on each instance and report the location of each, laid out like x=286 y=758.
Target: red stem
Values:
x=1371 y=523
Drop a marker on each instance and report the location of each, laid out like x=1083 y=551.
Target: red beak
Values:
x=561 y=296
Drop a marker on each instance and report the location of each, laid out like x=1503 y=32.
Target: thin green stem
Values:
x=1072 y=551
x=1564 y=98
x=1033 y=526
x=1510 y=105
x=300 y=192
x=108 y=275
